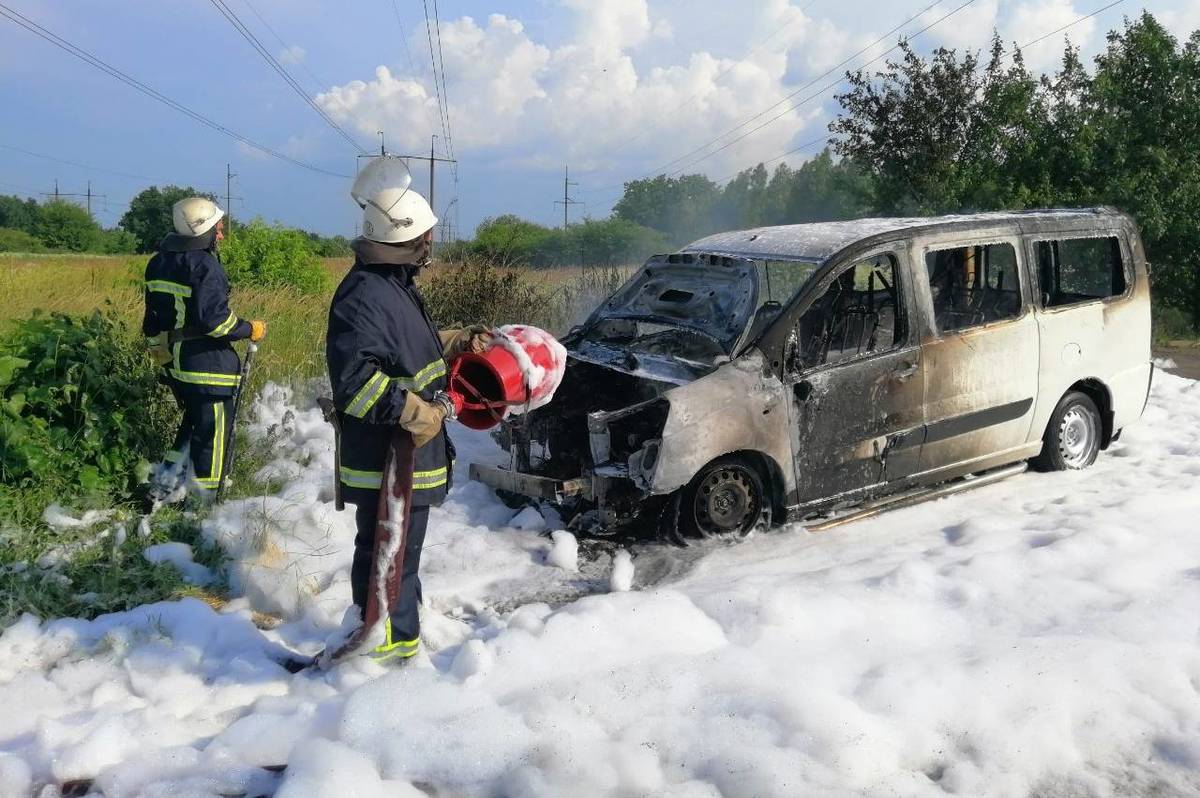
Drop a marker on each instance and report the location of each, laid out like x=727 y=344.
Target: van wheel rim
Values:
x=726 y=504
x=1077 y=437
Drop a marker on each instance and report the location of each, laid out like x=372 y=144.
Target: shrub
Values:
x=79 y=405
x=272 y=256
x=476 y=291
x=18 y=241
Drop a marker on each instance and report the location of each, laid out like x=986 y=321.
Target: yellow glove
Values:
x=258 y=330
x=423 y=419
x=160 y=351
x=474 y=338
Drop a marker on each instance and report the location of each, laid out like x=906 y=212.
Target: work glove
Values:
x=474 y=338
x=424 y=419
x=160 y=350
x=258 y=330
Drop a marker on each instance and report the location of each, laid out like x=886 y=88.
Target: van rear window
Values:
x=1075 y=270
x=973 y=285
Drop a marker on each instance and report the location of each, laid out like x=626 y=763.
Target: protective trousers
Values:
x=404 y=623
x=203 y=434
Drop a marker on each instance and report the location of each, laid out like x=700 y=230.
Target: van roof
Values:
x=818 y=241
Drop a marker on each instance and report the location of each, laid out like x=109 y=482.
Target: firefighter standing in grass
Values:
x=189 y=327
x=387 y=367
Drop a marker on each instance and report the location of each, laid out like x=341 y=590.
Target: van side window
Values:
x=862 y=312
x=973 y=285
x=1074 y=270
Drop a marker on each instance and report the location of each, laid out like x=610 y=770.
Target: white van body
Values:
x=818 y=366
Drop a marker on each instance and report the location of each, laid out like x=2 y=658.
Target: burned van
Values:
x=833 y=369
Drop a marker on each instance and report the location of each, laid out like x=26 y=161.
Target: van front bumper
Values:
x=609 y=488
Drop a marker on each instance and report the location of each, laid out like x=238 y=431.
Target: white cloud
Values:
x=969 y=28
x=292 y=55
x=1183 y=21
x=1034 y=19
x=586 y=100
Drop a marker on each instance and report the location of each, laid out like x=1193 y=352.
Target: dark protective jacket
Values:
x=187 y=300
x=381 y=344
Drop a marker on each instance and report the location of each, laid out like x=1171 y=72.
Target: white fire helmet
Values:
x=195 y=216
x=392 y=213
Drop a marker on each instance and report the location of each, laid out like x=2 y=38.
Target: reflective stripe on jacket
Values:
x=381 y=344
x=187 y=299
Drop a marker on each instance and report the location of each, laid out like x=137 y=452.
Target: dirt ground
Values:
x=1187 y=360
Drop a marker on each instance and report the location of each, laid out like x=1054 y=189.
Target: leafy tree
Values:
x=19 y=214
x=64 y=226
x=823 y=190
x=942 y=134
x=149 y=214
x=681 y=207
x=18 y=241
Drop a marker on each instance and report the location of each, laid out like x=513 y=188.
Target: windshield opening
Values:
x=696 y=307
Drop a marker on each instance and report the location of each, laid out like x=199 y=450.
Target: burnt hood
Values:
x=643 y=365
x=711 y=294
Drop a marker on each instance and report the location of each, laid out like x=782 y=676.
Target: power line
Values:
x=817 y=93
x=412 y=66
x=254 y=42
x=1071 y=24
x=320 y=84
x=807 y=85
x=437 y=90
x=89 y=167
x=825 y=137
x=442 y=69
x=134 y=83
x=717 y=78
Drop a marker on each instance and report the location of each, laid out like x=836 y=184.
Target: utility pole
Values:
x=433 y=160
x=59 y=195
x=567 y=201
x=229 y=176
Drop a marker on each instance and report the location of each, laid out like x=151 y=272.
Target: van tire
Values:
x=727 y=499
x=1073 y=436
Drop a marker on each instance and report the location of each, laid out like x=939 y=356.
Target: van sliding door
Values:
x=980 y=347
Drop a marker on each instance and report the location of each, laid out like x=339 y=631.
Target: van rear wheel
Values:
x=1072 y=439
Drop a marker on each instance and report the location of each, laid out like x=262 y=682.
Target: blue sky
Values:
x=615 y=88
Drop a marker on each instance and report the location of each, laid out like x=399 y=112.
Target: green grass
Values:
x=96 y=575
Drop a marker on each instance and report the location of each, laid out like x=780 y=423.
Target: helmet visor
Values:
x=384 y=175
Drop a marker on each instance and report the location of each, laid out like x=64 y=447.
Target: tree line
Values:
x=960 y=132
x=59 y=226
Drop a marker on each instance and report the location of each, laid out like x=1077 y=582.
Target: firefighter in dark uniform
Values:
x=387 y=367
x=189 y=328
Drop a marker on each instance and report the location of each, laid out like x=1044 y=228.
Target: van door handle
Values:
x=906 y=371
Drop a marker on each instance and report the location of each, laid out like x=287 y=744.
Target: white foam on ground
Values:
x=1037 y=636
x=621 y=577
x=179 y=555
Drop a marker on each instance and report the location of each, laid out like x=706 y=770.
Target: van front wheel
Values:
x=1072 y=439
x=726 y=499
